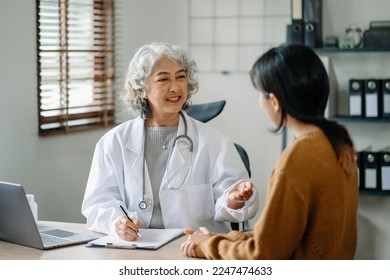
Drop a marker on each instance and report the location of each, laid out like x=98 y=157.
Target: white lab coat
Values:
x=116 y=177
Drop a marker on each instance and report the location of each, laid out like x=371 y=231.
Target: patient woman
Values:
x=311 y=204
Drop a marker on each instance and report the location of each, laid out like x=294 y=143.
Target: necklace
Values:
x=164 y=142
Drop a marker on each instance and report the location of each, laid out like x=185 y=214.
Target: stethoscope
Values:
x=145 y=203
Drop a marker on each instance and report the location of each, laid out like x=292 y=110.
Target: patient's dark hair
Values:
x=297 y=77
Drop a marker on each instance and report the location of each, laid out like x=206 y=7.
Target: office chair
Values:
x=206 y=112
x=245 y=159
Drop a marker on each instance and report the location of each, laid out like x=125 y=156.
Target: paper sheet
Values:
x=151 y=239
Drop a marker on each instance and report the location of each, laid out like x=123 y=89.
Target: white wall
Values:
x=55 y=169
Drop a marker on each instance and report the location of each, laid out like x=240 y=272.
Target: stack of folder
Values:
x=306 y=23
x=374 y=169
x=369 y=98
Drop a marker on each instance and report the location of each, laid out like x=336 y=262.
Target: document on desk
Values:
x=151 y=239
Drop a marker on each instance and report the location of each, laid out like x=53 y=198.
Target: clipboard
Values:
x=151 y=239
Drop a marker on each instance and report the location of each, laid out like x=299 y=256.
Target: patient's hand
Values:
x=193 y=237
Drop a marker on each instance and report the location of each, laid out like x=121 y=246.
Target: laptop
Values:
x=17 y=223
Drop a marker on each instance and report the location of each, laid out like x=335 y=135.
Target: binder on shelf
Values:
x=356 y=98
x=309 y=34
x=295 y=29
x=371 y=170
x=371 y=98
x=312 y=20
x=386 y=98
x=384 y=162
x=360 y=165
x=294 y=32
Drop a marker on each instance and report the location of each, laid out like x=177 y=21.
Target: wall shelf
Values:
x=374 y=192
x=336 y=50
x=359 y=120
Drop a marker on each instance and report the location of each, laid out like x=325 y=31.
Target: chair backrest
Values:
x=244 y=157
x=207 y=111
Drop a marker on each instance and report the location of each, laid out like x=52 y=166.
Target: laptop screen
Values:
x=17 y=221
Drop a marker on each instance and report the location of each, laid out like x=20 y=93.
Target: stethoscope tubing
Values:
x=145 y=203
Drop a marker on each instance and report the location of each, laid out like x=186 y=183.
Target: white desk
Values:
x=10 y=251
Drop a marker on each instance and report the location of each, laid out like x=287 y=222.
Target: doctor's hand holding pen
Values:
x=239 y=194
x=126 y=226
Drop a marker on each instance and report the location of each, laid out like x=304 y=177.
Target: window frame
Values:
x=57 y=114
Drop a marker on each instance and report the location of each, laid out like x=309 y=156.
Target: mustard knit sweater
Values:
x=310 y=210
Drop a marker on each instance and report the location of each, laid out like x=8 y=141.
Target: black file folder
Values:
x=360 y=165
x=356 y=98
x=371 y=169
x=371 y=98
x=386 y=98
x=295 y=29
x=312 y=20
x=309 y=34
x=295 y=32
x=384 y=156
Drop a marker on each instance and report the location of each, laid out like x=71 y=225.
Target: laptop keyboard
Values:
x=49 y=240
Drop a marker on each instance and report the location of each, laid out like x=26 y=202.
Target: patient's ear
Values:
x=274 y=102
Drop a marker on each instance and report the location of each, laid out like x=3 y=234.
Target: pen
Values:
x=127 y=216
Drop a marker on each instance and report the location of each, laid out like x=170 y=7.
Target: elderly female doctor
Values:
x=172 y=170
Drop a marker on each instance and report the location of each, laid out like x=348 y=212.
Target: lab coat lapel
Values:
x=135 y=143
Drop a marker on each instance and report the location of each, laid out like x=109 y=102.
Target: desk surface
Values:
x=10 y=251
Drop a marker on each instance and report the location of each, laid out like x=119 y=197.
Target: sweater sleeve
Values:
x=209 y=247
x=276 y=234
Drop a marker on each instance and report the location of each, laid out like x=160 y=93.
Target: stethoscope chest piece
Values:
x=144 y=204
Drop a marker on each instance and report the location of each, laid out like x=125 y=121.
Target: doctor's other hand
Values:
x=239 y=194
x=187 y=248
x=126 y=229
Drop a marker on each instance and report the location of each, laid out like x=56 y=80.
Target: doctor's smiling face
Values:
x=167 y=91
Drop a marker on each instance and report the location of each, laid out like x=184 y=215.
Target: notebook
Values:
x=151 y=239
x=18 y=224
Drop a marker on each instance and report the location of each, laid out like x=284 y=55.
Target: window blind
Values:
x=75 y=41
